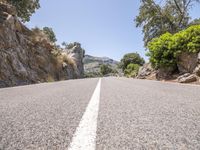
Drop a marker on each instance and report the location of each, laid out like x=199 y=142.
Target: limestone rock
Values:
x=25 y=59
x=165 y=73
x=146 y=72
x=187 y=62
x=197 y=70
x=77 y=54
x=187 y=78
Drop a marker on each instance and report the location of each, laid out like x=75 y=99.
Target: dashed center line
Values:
x=85 y=135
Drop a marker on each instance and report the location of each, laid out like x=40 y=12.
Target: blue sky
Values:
x=103 y=27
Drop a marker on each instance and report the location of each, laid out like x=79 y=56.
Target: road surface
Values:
x=100 y=114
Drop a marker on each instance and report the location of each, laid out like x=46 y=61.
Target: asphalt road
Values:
x=130 y=114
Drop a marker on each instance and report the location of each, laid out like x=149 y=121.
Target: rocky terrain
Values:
x=188 y=70
x=92 y=64
x=27 y=56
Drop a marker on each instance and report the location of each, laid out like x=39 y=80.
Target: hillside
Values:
x=92 y=64
x=27 y=56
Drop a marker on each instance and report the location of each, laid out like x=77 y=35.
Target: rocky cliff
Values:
x=27 y=56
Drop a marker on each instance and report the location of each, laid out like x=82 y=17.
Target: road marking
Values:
x=85 y=135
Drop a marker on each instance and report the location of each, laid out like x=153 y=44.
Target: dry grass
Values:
x=68 y=59
x=39 y=36
x=63 y=60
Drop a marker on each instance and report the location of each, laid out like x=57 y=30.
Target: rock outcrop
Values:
x=29 y=57
x=188 y=65
x=186 y=62
x=197 y=70
x=77 y=54
x=146 y=72
x=187 y=78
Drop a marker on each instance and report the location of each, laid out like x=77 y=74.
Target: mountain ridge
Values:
x=92 y=64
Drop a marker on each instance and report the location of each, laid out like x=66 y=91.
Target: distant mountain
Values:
x=105 y=60
x=92 y=64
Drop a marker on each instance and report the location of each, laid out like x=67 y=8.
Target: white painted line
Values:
x=85 y=135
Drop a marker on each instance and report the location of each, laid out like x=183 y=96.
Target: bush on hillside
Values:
x=131 y=58
x=50 y=34
x=105 y=69
x=25 y=8
x=163 y=51
x=131 y=70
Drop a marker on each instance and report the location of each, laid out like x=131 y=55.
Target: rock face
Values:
x=26 y=59
x=77 y=54
x=146 y=72
x=189 y=65
x=165 y=73
x=187 y=62
x=197 y=70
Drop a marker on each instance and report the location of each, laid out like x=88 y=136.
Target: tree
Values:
x=64 y=44
x=157 y=19
x=25 y=8
x=71 y=45
x=105 y=69
x=50 y=33
x=132 y=70
x=131 y=58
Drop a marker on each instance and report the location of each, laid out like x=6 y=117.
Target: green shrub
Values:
x=160 y=53
x=50 y=34
x=105 y=69
x=131 y=58
x=25 y=8
x=131 y=70
x=163 y=51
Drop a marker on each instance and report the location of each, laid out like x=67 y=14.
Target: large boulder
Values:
x=187 y=78
x=146 y=72
x=187 y=62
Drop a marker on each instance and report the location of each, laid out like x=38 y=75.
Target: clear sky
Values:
x=103 y=27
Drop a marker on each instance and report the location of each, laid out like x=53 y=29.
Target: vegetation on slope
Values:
x=24 y=8
x=163 y=51
x=171 y=38
x=167 y=16
x=94 y=66
x=130 y=64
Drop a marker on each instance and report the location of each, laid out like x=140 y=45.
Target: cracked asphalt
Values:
x=133 y=114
